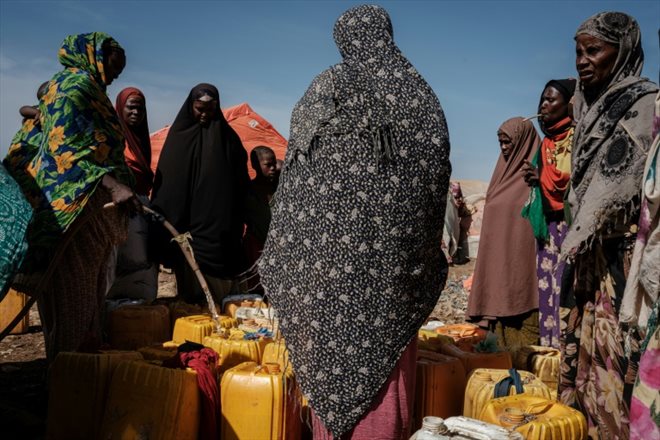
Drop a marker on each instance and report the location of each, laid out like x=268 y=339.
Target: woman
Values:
x=201 y=185
x=614 y=110
x=353 y=263
x=79 y=168
x=136 y=276
x=504 y=293
x=640 y=306
x=548 y=174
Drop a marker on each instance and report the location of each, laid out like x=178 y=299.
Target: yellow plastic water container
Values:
x=259 y=402
x=536 y=418
x=439 y=386
x=431 y=340
x=10 y=306
x=236 y=350
x=148 y=401
x=132 y=327
x=471 y=361
x=195 y=328
x=481 y=388
x=544 y=362
x=79 y=385
x=276 y=352
x=180 y=309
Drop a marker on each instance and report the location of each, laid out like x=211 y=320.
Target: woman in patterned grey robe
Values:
x=353 y=263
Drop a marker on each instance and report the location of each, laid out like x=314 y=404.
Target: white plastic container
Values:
x=462 y=428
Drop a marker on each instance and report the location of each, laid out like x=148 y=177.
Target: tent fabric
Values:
x=251 y=128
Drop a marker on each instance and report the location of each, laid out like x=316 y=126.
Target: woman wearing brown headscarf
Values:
x=614 y=110
x=136 y=275
x=505 y=287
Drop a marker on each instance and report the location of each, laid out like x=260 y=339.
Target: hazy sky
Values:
x=486 y=60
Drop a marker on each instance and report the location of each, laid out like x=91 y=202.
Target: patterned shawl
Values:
x=612 y=138
x=643 y=284
x=505 y=282
x=15 y=214
x=353 y=263
x=138 y=144
x=82 y=141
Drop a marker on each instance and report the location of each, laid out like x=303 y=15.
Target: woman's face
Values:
x=505 y=144
x=114 y=62
x=594 y=60
x=134 y=111
x=554 y=107
x=205 y=111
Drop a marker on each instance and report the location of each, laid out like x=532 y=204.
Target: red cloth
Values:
x=137 y=152
x=204 y=362
x=390 y=416
x=553 y=181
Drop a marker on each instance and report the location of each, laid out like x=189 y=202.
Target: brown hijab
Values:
x=505 y=282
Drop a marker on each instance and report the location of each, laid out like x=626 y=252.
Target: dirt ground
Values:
x=23 y=395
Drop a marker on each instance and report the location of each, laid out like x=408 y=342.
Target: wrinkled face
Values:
x=554 y=107
x=594 y=60
x=114 y=62
x=268 y=165
x=134 y=111
x=205 y=111
x=505 y=144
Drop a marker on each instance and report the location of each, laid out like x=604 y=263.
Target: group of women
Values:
x=352 y=262
x=85 y=168
x=591 y=219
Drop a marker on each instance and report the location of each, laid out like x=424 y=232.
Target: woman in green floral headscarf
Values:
x=79 y=168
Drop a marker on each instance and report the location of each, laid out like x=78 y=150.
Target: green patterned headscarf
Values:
x=82 y=141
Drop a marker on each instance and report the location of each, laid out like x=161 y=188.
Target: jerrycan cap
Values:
x=434 y=424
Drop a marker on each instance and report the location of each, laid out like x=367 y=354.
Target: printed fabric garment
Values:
x=15 y=215
x=504 y=282
x=643 y=285
x=612 y=138
x=645 y=403
x=82 y=141
x=24 y=146
x=599 y=361
x=353 y=263
x=390 y=416
x=549 y=270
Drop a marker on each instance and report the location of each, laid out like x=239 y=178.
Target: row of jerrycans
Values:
x=443 y=391
x=118 y=395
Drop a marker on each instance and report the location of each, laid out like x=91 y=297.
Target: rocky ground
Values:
x=23 y=397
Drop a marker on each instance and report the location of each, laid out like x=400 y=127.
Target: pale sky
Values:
x=486 y=60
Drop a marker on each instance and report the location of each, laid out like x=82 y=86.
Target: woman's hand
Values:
x=530 y=174
x=120 y=193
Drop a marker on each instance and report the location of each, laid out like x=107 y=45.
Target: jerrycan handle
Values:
x=531 y=409
x=502 y=387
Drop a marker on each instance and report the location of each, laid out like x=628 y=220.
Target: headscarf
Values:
x=201 y=183
x=138 y=144
x=555 y=152
x=504 y=282
x=82 y=141
x=612 y=137
x=353 y=263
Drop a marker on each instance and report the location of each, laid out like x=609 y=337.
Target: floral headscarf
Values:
x=82 y=141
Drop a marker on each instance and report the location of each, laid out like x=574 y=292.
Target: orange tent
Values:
x=253 y=130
